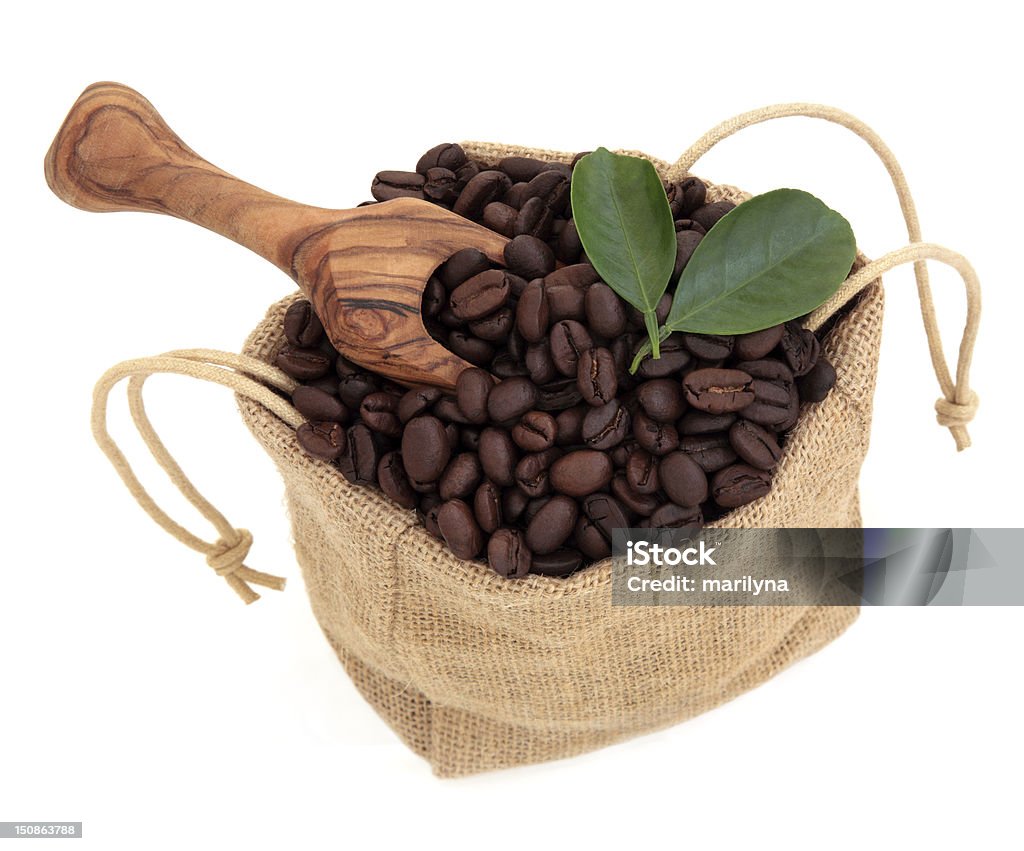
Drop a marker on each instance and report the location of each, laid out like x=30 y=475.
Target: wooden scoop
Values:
x=364 y=270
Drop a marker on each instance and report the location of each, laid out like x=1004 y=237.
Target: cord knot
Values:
x=226 y=558
x=951 y=414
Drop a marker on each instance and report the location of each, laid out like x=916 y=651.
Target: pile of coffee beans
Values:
x=549 y=443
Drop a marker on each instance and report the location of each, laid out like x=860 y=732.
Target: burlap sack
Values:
x=475 y=672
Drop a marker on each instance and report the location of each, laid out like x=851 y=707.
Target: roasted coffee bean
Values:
x=604 y=310
x=657 y=438
x=435 y=298
x=701 y=422
x=452 y=431
x=359 y=461
x=424 y=488
x=579 y=275
x=682 y=479
x=532 y=474
x=495 y=327
x=688 y=225
x=508 y=554
x=466 y=173
x=501 y=218
x=605 y=513
x=425 y=448
x=498 y=456
x=393 y=480
x=327 y=384
x=662 y=399
x=674 y=358
x=510 y=399
x=529 y=257
x=800 y=347
x=447 y=409
x=355 y=386
x=538 y=362
x=514 y=196
x=686 y=243
x=461 y=532
x=480 y=295
x=506 y=366
x=460 y=478
x=302 y=326
x=532 y=312
x=589 y=539
x=570 y=425
x=315 y=404
x=552 y=525
x=755 y=445
x=606 y=426
x=446 y=155
x=535 y=432
x=558 y=395
x=516 y=345
x=472 y=388
x=566 y=302
x=739 y=484
x=569 y=246
x=429 y=506
x=768 y=369
x=711 y=451
x=441 y=185
x=643 y=504
x=580 y=473
x=448 y=319
x=672 y=516
x=708 y=215
x=559 y=563
x=569 y=339
x=533 y=506
x=757 y=344
x=487 y=506
x=462 y=266
x=388 y=185
x=323 y=440
x=470 y=348
x=814 y=386
x=595 y=376
x=303 y=364
x=469 y=438
x=534 y=219
x=718 y=391
x=642 y=472
x=693 y=194
x=551 y=186
x=380 y=412
x=775 y=406
x=513 y=504
x=522 y=169
x=480 y=190
x=708 y=346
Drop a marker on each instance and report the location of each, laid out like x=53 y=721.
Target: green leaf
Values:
x=773 y=258
x=624 y=222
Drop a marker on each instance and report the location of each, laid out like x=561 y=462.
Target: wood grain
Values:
x=364 y=269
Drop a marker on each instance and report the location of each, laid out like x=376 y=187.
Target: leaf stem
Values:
x=651 y=321
x=642 y=352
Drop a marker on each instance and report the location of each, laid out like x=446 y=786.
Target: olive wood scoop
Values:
x=364 y=270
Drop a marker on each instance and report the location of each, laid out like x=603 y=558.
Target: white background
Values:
x=136 y=692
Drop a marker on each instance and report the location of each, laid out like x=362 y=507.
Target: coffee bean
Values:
x=552 y=525
x=531 y=472
x=569 y=339
x=506 y=366
x=447 y=409
x=739 y=484
x=711 y=451
x=510 y=399
x=514 y=196
x=425 y=448
x=709 y=214
x=757 y=344
x=508 y=554
x=718 y=391
x=462 y=266
x=533 y=506
x=472 y=388
x=814 y=386
x=580 y=473
x=501 y=218
x=495 y=327
x=380 y=412
x=359 y=460
x=589 y=539
x=701 y=422
x=532 y=312
x=513 y=504
x=469 y=438
x=642 y=472
x=538 y=362
x=755 y=445
x=686 y=243
x=480 y=295
x=662 y=399
x=534 y=219
x=605 y=311
x=461 y=477
x=558 y=395
x=498 y=456
x=441 y=185
x=302 y=326
x=672 y=516
x=303 y=364
x=487 y=506
x=460 y=530
x=559 y=563
x=428 y=508
x=569 y=246
x=570 y=425
x=682 y=479
x=326 y=384
x=580 y=275
x=693 y=194
x=606 y=426
x=800 y=347
x=643 y=504
x=551 y=186
x=657 y=438
x=535 y=432
x=565 y=302
x=522 y=169
x=435 y=298
x=388 y=185
x=446 y=155
x=472 y=349
x=674 y=358
x=483 y=188
x=529 y=257
x=322 y=440
x=708 y=346
x=315 y=404
x=466 y=173
x=605 y=513
x=776 y=403
x=595 y=376
x=393 y=480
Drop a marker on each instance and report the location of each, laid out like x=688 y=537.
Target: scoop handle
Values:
x=114 y=152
